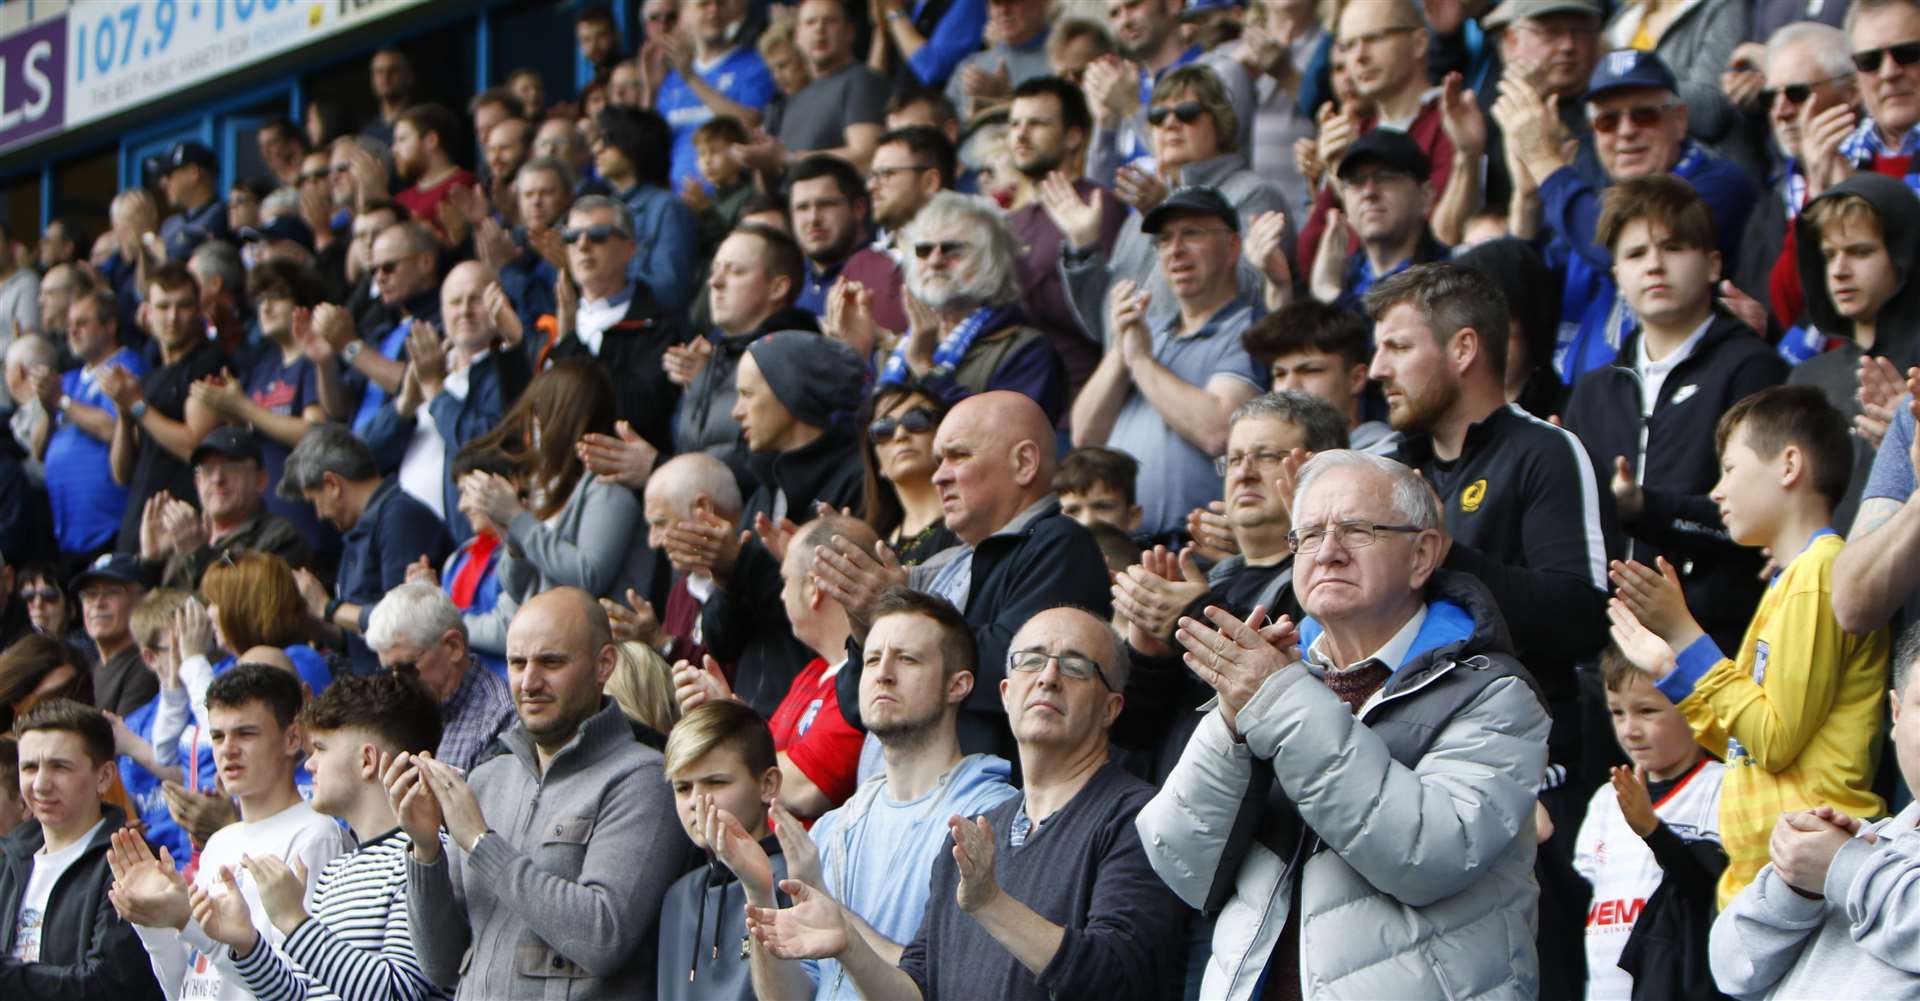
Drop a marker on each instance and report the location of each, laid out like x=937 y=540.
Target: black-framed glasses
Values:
x=599 y=232
x=1072 y=665
x=947 y=248
x=1905 y=54
x=1350 y=534
x=41 y=594
x=1260 y=458
x=1187 y=112
x=1372 y=37
x=884 y=174
x=918 y=420
x=1643 y=116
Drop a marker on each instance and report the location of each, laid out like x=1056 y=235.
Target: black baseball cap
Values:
x=1195 y=199
x=280 y=227
x=122 y=567
x=189 y=154
x=230 y=441
x=1390 y=148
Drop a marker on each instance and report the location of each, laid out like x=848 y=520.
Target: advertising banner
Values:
x=33 y=80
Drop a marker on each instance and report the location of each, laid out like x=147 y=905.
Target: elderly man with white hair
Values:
x=417 y=630
x=1408 y=716
x=963 y=304
x=684 y=487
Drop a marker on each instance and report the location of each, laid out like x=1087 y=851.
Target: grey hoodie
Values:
x=1862 y=940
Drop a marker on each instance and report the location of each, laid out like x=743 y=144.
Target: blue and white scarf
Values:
x=952 y=348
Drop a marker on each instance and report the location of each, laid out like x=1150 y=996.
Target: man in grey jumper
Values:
x=560 y=850
x=1834 y=913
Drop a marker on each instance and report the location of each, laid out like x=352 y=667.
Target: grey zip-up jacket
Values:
x=1418 y=879
x=562 y=899
x=1861 y=941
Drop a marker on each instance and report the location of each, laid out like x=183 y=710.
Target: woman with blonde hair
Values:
x=642 y=686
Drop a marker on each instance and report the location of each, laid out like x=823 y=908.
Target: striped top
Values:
x=356 y=946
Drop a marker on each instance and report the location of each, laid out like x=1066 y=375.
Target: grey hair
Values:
x=29 y=350
x=997 y=281
x=218 y=258
x=1413 y=501
x=596 y=203
x=684 y=478
x=279 y=202
x=549 y=165
x=1325 y=428
x=414 y=614
x=1827 y=44
x=326 y=448
x=1904 y=654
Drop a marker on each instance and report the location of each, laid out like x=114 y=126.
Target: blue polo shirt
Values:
x=740 y=76
x=87 y=504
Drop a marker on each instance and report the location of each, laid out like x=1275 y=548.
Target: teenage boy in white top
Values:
x=356 y=944
x=257 y=743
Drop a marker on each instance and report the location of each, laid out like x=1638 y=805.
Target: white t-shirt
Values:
x=48 y=867
x=182 y=960
x=1624 y=873
x=423 y=471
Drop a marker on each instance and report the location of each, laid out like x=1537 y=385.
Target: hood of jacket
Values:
x=804 y=474
x=1899 y=215
x=789 y=318
x=1462 y=621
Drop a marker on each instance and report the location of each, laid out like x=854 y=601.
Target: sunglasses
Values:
x=599 y=232
x=388 y=267
x=44 y=594
x=1187 y=111
x=1796 y=93
x=918 y=420
x=947 y=248
x=315 y=175
x=1644 y=116
x=1905 y=54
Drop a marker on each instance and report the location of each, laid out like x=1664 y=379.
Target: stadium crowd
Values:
x=1245 y=499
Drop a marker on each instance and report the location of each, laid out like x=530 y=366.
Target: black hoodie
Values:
x=1672 y=454
x=703 y=933
x=1896 y=329
x=87 y=950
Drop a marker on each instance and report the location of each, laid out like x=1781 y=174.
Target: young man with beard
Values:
x=911 y=166
x=354 y=941
x=59 y=937
x=918 y=670
x=962 y=273
x=826 y=202
x=159 y=425
x=1047 y=130
x=257 y=742
x=423 y=138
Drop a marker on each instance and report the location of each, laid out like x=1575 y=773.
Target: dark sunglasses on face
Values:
x=315 y=175
x=918 y=420
x=387 y=268
x=947 y=248
x=44 y=594
x=599 y=232
x=1644 y=116
x=1905 y=54
x=1187 y=111
x=1796 y=93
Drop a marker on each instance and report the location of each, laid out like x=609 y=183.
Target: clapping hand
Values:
x=1655 y=598
x=813 y=928
x=855 y=579
x=414 y=802
x=1236 y=657
x=633 y=622
x=696 y=686
x=730 y=843
x=283 y=889
x=624 y=457
x=1630 y=791
x=973 y=850
x=1153 y=593
x=146 y=891
x=1078 y=219
x=1212 y=533
x=225 y=916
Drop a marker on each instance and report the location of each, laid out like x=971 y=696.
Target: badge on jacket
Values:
x=1471 y=497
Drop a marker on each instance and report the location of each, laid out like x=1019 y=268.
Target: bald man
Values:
x=463 y=385
x=685 y=487
x=559 y=850
x=1017 y=554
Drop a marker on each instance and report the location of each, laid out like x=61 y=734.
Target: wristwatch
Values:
x=333 y=606
x=352 y=351
x=896 y=14
x=137 y=411
x=65 y=402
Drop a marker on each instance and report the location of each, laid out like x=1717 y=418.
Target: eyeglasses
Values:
x=1905 y=54
x=1072 y=665
x=947 y=248
x=388 y=267
x=1351 y=535
x=599 y=232
x=1184 y=237
x=918 y=420
x=1260 y=459
x=884 y=174
x=316 y=175
x=1187 y=112
x=1372 y=37
x=1643 y=116
x=1796 y=93
x=41 y=594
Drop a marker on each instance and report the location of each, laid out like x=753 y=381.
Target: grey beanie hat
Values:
x=819 y=380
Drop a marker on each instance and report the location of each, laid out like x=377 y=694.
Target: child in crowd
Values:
x=1650 y=846
x=729 y=187
x=1096 y=484
x=355 y=944
x=144 y=767
x=1832 y=914
x=720 y=760
x=1795 y=709
x=257 y=742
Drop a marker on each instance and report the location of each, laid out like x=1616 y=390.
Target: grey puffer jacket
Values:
x=1418 y=878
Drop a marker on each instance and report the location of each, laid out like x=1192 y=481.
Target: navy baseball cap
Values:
x=232 y=442
x=281 y=227
x=1195 y=199
x=1630 y=69
x=1391 y=148
x=189 y=154
x=1195 y=8
x=122 y=567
